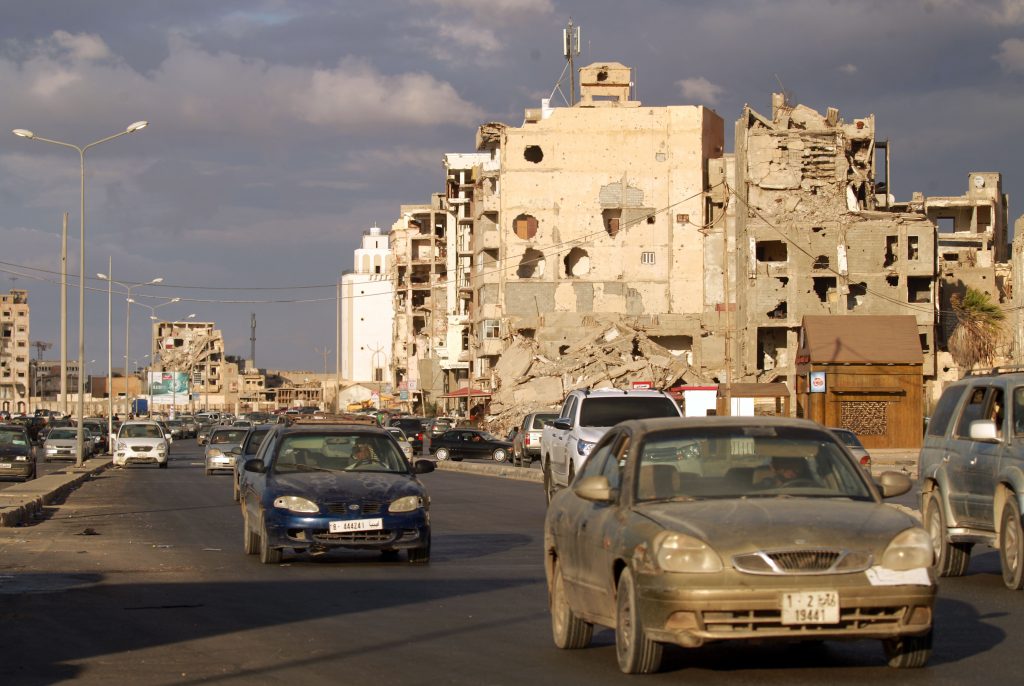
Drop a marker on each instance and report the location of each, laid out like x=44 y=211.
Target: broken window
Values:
x=647 y=258
x=465 y=339
x=533 y=153
x=946 y=224
x=677 y=345
x=817 y=229
x=823 y=286
x=771 y=251
x=891 y=244
x=525 y=226
x=577 y=262
x=612 y=221
x=925 y=348
x=855 y=298
x=919 y=289
x=492 y=328
x=771 y=348
x=893 y=281
x=779 y=312
x=532 y=265
x=984 y=218
x=820 y=262
x=912 y=251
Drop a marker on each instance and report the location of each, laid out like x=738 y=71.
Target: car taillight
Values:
x=419 y=436
x=865 y=460
x=528 y=439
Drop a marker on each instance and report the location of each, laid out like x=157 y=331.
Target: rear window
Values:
x=231 y=436
x=611 y=411
x=541 y=419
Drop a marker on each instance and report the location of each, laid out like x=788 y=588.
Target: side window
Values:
x=595 y=464
x=565 y=412
x=1018 y=411
x=267 y=448
x=995 y=409
x=944 y=411
x=973 y=410
x=613 y=467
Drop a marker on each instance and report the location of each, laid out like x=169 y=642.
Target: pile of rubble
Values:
x=613 y=356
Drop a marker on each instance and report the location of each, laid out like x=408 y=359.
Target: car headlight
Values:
x=295 y=503
x=408 y=503
x=161 y=449
x=121 y=445
x=677 y=552
x=215 y=452
x=50 y=449
x=584 y=447
x=910 y=549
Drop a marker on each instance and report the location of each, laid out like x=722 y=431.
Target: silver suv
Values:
x=972 y=473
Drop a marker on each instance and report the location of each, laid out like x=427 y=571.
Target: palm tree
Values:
x=978 y=333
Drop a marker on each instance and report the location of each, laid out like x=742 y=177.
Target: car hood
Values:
x=745 y=525
x=60 y=443
x=142 y=441
x=345 y=486
x=592 y=434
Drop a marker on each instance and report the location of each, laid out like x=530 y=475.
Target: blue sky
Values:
x=283 y=129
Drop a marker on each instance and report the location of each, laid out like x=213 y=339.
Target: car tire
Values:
x=568 y=631
x=499 y=455
x=209 y=472
x=636 y=653
x=441 y=454
x=268 y=554
x=1011 y=545
x=908 y=652
x=389 y=554
x=162 y=465
x=951 y=559
x=250 y=539
x=420 y=555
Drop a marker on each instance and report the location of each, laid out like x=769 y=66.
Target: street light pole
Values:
x=25 y=133
x=127 y=319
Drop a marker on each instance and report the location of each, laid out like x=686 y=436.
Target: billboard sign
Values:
x=168 y=388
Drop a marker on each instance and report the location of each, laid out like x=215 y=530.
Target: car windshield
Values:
x=230 y=436
x=611 y=411
x=741 y=462
x=539 y=420
x=141 y=431
x=13 y=442
x=254 y=441
x=62 y=434
x=307 y=452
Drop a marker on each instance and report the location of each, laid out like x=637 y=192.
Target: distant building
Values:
x=14 y=352
x=367 y=312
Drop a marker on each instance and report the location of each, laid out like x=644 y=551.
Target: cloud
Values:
x=1011 y=56
x=996 y=12
x=700 y=90
x=496 y=9
x=848 y=69
x=82 y=46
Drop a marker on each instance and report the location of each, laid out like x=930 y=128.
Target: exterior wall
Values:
x=197 y=348
x=14 y=352
x=367 y=311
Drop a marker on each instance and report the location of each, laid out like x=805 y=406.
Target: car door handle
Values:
x=974 y=460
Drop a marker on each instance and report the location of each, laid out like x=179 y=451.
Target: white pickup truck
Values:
x=585 y=417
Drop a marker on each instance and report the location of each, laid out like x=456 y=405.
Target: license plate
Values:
x=356 y=525
x=810 y=607
x=4 y=465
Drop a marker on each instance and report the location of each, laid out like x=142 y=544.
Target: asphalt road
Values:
x=139 y=578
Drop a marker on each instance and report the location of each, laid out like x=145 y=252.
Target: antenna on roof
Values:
x=570 y=48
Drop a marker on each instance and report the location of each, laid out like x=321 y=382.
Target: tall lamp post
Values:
x=25 y=133
x=127 y=319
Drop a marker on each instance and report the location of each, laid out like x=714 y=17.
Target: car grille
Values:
x=850 y=619
x=366 y=507
x=802 y=561
x=141 y=448
x=380 y=536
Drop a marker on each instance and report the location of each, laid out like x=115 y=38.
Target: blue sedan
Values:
x=317 y=487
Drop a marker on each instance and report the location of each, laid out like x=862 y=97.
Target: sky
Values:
x=281 y=130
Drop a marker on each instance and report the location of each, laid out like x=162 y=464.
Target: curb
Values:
x=20 y=502
x=505 y=471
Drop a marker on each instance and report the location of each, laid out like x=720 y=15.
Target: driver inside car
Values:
x=786 y=471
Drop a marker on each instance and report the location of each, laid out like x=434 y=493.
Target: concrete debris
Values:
x=608 y=355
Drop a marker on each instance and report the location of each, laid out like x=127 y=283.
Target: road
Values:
x=139 y=578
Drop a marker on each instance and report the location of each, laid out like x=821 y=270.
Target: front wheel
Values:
x=908 y=652
x=420 y=555
x=1011 y=545
x=162 y=465
x=569 y=631
x=636 y=653
x=951 y=559
x=499 y=455
x=442 y=454
x=250 y=539
x=268 y=554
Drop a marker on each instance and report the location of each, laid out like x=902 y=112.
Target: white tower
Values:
x=367 y=313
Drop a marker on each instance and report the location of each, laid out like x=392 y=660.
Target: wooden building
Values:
x=863 y=373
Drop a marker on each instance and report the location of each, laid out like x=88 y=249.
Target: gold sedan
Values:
x=687 y=531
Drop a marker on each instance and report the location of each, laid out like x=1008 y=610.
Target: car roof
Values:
x=666 y=423
x=619 y=392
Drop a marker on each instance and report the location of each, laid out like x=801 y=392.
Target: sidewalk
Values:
x=895 y=459
x=19 y=502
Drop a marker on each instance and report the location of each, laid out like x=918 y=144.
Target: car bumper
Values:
x=121 y=458
x=220 y=463
x=690 y=616
x=17 y=470
x=400 y=531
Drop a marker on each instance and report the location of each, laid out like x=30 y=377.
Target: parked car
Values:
x=688 y=531
x=250 y=446
x=971 y=468
x=458 y=444
x=141 y=442
x=323 y=485
x=223 y=448
x=526 y=442
x=17 y=460
x=61 y=443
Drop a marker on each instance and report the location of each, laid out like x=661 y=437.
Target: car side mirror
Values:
x=255 y=466
x=422 y=467
x=237 y=450
x=596 y=489
x=984 y=430
x=562 y=424
x=169 y=438
x=892 y=484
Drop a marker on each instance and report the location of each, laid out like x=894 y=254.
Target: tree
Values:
x=978 y=333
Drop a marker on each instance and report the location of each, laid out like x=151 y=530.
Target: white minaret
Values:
x=367 y=312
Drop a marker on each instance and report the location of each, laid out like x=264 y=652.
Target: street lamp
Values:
x=25 y=133
x=127 y=318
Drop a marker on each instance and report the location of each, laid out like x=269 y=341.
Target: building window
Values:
x=492 y=328
x=647 y=258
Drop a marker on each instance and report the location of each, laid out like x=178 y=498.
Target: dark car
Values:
x=100 y=431
x=320 y=485
x=16 y=458
x=459 y=444
x=250 y=446
x=414 y=428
